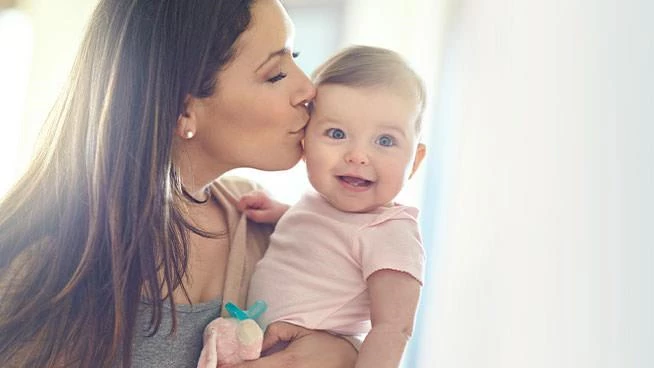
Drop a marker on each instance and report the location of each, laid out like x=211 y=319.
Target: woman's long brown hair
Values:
x=94 y=225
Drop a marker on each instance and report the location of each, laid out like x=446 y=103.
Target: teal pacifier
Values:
x=253 y=313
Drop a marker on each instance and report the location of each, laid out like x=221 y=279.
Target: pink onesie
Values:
x=315 y=269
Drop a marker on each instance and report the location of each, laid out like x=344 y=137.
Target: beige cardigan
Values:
x=248 y=239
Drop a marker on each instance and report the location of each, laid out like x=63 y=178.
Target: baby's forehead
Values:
x=399 y=92
x=402 y=91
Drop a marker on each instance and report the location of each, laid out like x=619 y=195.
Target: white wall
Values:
x=58 y=28
x=544 y=251
x=37 y=55
x=16 y=51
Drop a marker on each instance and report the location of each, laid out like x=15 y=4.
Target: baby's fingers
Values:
x=255 y=199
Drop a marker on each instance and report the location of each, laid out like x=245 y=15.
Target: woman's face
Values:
x=257 y=115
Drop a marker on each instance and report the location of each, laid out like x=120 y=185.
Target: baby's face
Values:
x=360 y=145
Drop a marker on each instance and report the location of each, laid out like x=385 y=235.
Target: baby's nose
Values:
x=357 y=157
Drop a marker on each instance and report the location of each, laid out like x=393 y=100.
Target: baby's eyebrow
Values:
x=393 y=128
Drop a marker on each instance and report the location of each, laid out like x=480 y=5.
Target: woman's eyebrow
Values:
x=282 y=51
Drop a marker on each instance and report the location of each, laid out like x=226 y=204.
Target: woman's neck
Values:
x=196 y=169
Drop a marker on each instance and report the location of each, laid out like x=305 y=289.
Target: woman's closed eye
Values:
x=335 y=133
x=281 y=75
x=278 y=77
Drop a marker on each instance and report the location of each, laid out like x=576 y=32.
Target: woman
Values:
x=119 y=232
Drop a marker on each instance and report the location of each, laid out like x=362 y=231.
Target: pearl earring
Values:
x=189 y=134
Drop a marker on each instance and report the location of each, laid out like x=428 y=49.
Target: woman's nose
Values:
x=305 y=91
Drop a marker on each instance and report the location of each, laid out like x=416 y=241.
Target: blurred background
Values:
x=537 y=196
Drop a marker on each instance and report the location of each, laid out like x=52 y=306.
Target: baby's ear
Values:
x=421 y=151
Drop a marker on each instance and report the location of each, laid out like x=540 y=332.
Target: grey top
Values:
x=180 y=350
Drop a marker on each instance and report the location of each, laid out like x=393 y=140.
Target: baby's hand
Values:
x=259 y=207
x=230 y=341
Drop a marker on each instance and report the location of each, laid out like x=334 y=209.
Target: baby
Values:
x=346 y=258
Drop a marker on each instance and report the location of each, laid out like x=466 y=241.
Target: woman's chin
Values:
x=280 y=165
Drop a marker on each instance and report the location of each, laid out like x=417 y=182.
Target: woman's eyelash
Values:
x=283 y=75
x=277 y=78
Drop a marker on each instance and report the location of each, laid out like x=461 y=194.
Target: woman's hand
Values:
x=307 y=348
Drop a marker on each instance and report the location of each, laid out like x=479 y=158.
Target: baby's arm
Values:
x=393 y=301
x=259 y=207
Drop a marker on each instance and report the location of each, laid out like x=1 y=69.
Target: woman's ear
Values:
x=421 y=151
x=186 y=122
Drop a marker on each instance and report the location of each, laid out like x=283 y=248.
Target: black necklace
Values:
x=195 y=200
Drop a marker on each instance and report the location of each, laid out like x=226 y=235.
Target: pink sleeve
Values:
x=393 y=244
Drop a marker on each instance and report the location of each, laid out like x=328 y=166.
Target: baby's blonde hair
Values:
x=368 y=66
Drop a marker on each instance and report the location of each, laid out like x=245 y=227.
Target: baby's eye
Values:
x=386 y=141
x=335 y=133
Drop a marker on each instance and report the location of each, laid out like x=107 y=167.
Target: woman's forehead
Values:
x=270 y=30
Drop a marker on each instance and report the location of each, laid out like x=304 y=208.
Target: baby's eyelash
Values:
x=386 y=140
x=335 y=133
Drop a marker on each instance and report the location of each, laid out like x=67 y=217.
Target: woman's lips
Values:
x=298 y=131
x=301 y=129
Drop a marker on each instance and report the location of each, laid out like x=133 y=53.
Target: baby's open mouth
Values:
x=355 y=182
